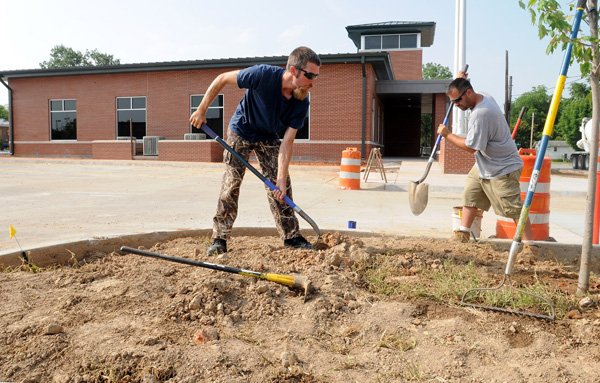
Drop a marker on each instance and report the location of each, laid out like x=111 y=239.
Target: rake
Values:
x=509 y=296
x=295 y=281
x=479 y=292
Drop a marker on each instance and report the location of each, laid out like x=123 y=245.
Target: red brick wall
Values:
x=112 y=150
x=454 y=160
x=54 y=149
x=407 y=65
x=335 y=114
x=201 y=150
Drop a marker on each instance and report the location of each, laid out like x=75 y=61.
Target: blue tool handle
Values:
x=264 y=179
x=273 y=187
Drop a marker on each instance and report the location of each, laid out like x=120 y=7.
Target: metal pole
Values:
x=460 y=41
x=531 y=131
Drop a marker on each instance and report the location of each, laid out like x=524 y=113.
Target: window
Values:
x=214 y=114
x=131 y=117
x=391 y=42
x=63 y=119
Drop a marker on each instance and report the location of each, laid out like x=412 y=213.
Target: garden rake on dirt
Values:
x=295 y=281
x=508 y=299
x=548 y=127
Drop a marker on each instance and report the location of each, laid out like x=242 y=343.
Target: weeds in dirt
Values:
x=410 y=372
x=448 y=283
x=397 y=342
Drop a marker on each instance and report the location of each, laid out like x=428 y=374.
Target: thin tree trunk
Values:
x=586 y=247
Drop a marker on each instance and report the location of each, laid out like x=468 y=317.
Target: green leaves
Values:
x=552 y=22
x=433 y=71
x=3 y=113
x=65 y=57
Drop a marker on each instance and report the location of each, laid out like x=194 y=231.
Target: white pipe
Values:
x=459 y=125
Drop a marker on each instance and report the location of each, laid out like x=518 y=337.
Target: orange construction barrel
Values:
x=539 y=211
x=350 y=169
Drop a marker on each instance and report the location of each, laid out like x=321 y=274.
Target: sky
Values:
x=136 y=31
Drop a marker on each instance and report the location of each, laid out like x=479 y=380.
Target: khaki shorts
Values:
x=502 y=193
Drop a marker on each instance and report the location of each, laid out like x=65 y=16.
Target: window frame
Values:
x=63 y=110
x=364 y=38
x=131 y=108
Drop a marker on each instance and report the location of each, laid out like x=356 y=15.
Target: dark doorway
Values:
x=402 y=126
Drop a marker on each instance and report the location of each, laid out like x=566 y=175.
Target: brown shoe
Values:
x=461 y=236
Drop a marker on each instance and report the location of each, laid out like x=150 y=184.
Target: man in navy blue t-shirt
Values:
x=275 y=101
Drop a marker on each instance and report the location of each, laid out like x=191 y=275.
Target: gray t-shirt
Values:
x=489 y=134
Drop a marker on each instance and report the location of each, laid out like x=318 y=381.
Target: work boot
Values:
x=298 y=242
x=461 y=236
x=219 y=246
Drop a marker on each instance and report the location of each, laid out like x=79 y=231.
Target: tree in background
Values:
x=537 y=101
x=3 y=113
x=572 y=111
x=64 y=57
x=431 y=71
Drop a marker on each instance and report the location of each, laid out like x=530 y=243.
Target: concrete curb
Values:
x=69 y=253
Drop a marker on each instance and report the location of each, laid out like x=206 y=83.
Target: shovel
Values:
x=417 y=190
x=264 y=179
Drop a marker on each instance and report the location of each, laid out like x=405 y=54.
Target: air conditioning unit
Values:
x=151 y=145
x=194 y=136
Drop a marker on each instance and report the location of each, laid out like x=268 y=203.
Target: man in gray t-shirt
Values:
x=494 y=179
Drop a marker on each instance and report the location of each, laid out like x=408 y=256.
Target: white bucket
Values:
x=475 y=226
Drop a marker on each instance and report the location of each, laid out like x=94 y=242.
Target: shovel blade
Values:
x=418 y=195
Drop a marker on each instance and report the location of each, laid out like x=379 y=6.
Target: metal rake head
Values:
x=505 y=299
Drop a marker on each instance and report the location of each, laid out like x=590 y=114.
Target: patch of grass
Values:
x=397 y=342
x=450 y=282
x=410 y=372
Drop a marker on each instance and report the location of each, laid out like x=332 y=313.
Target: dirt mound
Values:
x=375 y=314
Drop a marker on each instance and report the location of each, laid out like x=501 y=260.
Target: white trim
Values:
x=541 y=187
x=350 y=175
x=351 y=161
x=534 y=219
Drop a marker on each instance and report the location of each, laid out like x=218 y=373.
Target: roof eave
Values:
x=380 y=61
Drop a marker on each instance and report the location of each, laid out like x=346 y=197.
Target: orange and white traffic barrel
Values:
x=350 y=169
x=539 y=211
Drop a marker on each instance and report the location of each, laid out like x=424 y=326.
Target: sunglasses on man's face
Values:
x=308 y=75
x=457 y=100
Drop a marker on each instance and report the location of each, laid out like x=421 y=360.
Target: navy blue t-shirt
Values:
x=263 y=111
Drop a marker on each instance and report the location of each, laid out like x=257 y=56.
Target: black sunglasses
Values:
x=457 y=100
x=307 y=74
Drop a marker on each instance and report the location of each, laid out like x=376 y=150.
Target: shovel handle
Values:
x=264 y=179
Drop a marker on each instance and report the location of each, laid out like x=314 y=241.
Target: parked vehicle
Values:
x=581 y=159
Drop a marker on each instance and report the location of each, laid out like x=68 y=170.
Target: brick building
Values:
x=372 y=98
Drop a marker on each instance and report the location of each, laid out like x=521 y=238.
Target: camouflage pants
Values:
x=267 y=153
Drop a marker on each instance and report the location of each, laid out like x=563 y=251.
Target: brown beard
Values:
x=300 y=93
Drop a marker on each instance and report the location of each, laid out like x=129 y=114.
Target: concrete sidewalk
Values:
x=56 y=201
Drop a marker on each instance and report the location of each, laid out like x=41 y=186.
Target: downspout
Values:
x=11 y=142
x=364 y=108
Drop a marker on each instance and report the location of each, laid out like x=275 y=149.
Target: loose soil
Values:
x=125 y=318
